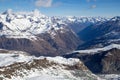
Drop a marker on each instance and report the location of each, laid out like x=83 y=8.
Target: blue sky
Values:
x=65 y=7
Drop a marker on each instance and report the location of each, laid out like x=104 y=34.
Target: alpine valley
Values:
x=34 y=46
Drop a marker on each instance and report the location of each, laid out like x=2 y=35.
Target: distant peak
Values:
x=37 y=13
x=9 y=11
x=115 y=18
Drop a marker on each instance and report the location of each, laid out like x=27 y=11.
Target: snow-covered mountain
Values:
x=79 y=23
x=29 y=24
x=25 y=25
x=14 y=65
x=100 y=35
x=35 y=33
x=96 y=50
x=40 y=35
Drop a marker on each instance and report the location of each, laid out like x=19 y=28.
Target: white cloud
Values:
x=93 y=6
x=43 y=3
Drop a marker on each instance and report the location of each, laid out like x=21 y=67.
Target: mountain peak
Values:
x=9 y=11
x=115 y=18
x=34 y=13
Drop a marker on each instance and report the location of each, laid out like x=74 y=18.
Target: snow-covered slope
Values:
x=19 y=56
x=79 y=23
x=16 y=66
x=25 y=25
x=112 y=46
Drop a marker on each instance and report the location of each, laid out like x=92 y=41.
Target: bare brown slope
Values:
x=45 y=45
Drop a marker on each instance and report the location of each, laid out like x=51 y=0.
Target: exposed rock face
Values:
x=45 y=45
x=106 y=62
x=111 y=62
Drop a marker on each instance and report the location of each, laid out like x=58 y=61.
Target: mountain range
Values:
x=101 y=34
x=33 y=46
x=35 y=33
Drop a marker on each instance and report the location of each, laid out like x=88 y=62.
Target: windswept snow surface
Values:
x=10 y=58
x=7 y=59
x=99 y=49
x=48 y=74
x=54 y=72
x=110 y=76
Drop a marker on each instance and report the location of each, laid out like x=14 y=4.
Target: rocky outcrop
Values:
x=15 y=65
x=105 y=62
